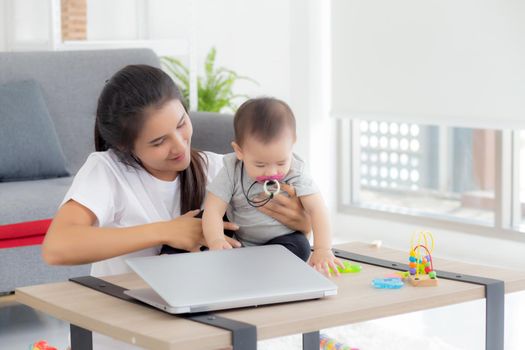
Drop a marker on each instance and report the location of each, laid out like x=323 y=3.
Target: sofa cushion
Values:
x=212 y=131
x=23 y=266
x=23 y=233
x=30 y=147
x=71 y=82
x=23 y=201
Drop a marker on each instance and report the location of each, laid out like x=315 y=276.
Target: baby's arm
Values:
x=322 y=258
x=212 y=225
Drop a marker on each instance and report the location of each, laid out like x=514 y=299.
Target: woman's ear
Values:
x=238 y=150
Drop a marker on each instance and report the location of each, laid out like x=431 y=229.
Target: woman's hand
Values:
x=288 y=210
x=185 y=232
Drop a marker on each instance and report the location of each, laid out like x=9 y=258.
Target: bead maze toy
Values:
x=421 y=271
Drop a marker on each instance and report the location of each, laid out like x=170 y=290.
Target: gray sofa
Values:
x=71 y=82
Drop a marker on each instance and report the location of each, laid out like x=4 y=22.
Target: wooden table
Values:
x=88 y=310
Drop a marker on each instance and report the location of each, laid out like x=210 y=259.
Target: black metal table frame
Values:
x=244 y=335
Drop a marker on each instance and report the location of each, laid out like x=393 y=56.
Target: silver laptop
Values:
x=224 y=279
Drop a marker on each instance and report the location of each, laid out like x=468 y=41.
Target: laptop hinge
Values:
x=244 y=335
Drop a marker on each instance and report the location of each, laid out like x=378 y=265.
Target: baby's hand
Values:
x=323 y=259
x=219 y=244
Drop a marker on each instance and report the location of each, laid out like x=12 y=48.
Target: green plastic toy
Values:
x=348 y=268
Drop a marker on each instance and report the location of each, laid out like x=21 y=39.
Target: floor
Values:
x=21 y=326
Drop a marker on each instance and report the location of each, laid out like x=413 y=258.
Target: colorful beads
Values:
x=327 y=343
x=41 y=345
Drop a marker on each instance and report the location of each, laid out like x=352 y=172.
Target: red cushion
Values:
x=23 y=233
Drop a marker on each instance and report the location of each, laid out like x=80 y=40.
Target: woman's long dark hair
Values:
x=121 y=113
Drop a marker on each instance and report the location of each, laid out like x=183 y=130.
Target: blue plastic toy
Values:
x=387 y=283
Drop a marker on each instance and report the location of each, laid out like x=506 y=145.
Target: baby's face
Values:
x=267 y=159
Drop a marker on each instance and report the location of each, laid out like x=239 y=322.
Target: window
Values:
x=519 y=207
x=449 y=174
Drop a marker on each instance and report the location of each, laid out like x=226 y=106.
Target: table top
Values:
x=356 y=301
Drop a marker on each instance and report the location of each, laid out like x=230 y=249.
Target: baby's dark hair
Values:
x=264 y=118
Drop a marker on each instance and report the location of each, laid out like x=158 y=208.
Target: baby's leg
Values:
x=296 y=242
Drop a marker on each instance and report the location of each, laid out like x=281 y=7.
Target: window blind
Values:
x=458 y=63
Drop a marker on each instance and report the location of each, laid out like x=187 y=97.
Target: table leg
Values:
x=81 y=339
x=311 y=341
x=495 y=313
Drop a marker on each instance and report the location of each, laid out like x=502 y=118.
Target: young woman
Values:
x=144 y=185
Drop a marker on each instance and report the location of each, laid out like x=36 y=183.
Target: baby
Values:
x=263 y=158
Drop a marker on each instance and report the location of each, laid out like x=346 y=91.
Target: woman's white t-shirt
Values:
x=122 y=196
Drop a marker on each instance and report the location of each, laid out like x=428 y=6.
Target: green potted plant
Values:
x=214 y=89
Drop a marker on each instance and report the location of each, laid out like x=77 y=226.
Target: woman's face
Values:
x=163 y=144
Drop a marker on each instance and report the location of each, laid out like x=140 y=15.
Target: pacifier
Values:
x=271 y=184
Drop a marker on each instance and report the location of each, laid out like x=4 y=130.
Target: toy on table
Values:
x=421 y=271
x=41 y=345
x=328 y=343
x=376 y=243
x=348 y=268
x=387 y=283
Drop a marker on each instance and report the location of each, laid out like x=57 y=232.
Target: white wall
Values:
x=310 y=93
x=3 y=25
x=25 y=25
x=251 y=37
x=114 y=20
x=31 y=20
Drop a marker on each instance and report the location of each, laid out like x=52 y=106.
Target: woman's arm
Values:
x=289 y=211
x=72 y=238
